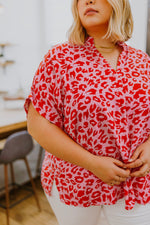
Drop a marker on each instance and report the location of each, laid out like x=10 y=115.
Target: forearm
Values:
x=55 y=141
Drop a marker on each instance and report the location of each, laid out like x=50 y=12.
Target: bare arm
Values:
x=55 y=141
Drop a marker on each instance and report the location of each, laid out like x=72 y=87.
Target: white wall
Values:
x=33 y=26
x=58 y=19
x=140 y=15
x=19 y=25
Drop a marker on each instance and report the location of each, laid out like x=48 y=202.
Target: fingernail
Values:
x=130 y=160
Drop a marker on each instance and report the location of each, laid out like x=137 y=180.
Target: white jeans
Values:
x=98 y=215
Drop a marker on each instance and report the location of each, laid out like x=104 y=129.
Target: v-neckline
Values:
x=90 y=43
x=108 y=63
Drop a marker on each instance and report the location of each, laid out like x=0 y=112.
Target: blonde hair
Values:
x=120 y=25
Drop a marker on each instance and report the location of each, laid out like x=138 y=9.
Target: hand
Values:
x=141 y=159
x=109 y=170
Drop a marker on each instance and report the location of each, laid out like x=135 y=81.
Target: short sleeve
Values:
x=46 y=92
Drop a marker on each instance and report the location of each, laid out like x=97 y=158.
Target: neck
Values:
x=98 y=35
x=101 y=42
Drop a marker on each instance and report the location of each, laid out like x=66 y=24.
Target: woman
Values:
x=89 y=109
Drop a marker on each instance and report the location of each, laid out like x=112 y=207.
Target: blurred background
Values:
x=28 y=28
x=31 y=27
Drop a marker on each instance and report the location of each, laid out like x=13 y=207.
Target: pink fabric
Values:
x=105 y=111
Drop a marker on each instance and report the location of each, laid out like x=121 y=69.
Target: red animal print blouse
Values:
x=106 y=111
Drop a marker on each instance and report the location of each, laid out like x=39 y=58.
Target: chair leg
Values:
x=39 y=160
x=13 y=181
x=6 y=192
x=32 y=183
x=12 y=173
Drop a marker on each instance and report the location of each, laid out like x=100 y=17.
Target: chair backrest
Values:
x=17 y=146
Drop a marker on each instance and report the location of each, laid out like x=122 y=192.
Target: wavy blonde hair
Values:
x=120 y=25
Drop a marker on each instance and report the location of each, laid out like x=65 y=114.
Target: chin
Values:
x=94 y=22
x=92 y=25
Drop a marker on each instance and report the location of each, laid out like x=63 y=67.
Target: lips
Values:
x=90 y=10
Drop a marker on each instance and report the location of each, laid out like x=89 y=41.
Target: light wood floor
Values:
x=26 y=212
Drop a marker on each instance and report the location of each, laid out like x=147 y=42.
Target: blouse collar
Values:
x=123 y=58
x=89 y=43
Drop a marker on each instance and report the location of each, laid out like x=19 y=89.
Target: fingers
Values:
x=137 y=163
x=118 y=163
x=142 y=172
x=120 y=175
x=123 y=173
x=119 y=169
x=136 y=154
x=120 y=179
x=114 y=183
x=135 y=160
x=117 y=180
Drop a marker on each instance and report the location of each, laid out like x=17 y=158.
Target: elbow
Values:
x=29 y=127
x=31 y=117
x=32 y=129
x=31 y=124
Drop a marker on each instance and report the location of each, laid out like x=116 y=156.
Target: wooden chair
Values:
x=16 y=147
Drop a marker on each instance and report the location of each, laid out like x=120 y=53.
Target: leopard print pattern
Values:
x=106 y=111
